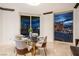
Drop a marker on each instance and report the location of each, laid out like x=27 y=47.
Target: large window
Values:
x=35 y=24
x=25 y=25
x=30 y=21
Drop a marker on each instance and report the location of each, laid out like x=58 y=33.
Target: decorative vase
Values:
x=30 y=32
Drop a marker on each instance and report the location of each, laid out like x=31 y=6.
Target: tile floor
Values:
x=55 y=48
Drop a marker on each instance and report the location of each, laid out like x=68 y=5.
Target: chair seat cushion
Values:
x=38 y=44
x=22 y=51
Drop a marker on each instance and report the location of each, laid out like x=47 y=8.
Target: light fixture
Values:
x=33 y=3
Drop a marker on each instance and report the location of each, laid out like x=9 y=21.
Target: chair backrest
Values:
x=45 y=42
x=34 y=34
x=40 y=38
x=19 y=37
x=20 y=44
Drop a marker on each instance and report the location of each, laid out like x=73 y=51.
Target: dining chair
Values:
x=42 y=45
x=34 y=37
x=22 y=48
x=35 y=34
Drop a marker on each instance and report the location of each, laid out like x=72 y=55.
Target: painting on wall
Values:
x=63 y=26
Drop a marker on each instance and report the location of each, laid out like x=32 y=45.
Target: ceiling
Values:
x=43 y=7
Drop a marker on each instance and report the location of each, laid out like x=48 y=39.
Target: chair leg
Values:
x=16 y=54
x=38 y=51
x=45 y=51
x=24 y=54
x=15 y=51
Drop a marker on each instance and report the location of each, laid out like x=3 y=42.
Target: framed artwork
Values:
x=63 y=26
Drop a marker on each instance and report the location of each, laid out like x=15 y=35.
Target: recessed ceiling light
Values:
x=33 y=3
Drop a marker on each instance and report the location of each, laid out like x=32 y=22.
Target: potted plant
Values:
x=30 y=32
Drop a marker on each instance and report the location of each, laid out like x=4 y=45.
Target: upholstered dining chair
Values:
x=42 y=44
x=35 y=34
x=22 y=48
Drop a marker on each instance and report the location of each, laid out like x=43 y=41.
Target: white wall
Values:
x=46 y=28
x=0 y=25
x=11 y=25
x=77 y=23
x=47 y=25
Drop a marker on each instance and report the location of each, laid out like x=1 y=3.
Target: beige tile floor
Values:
x=55 y=48
x=59 y=49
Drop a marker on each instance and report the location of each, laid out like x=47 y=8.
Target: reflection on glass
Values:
x=35 y=24
x=25 y=25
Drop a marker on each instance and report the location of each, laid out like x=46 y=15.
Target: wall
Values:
x=76 y=24
x=46 y=28
x=11 y=25
x=0 y=25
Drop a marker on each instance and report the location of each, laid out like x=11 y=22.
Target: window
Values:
x=25 y=25
x=35 y=24
x=26 y=22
